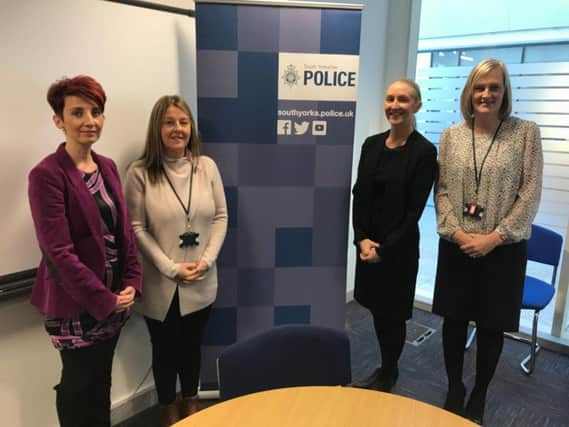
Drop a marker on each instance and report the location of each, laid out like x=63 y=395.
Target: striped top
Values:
x=86 y=330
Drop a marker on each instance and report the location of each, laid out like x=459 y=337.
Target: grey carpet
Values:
x=514 y=399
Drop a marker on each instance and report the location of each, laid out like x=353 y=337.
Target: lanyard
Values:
x=477 y=174
x=186 y=210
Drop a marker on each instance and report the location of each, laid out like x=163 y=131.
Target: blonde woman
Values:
x=487 y=197
x=395 y=175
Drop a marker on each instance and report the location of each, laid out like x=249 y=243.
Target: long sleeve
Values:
x=218 y=227
x=419 y=189
x=447 y=222
x=47 y=202
x=520 y=217
x=160 y=213
x=361 y=204
x=135 y=186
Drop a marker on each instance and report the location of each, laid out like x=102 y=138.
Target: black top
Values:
x=390 y=175
x=405 y=192
x=390 y=194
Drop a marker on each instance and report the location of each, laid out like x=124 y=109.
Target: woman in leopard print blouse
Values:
x=487 y=196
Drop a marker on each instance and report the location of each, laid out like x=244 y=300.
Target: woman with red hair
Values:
x=89 y=273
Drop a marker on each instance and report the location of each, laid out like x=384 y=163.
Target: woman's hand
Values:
x=481 y=244
x=125 y=298
x=195 y=271
x=185 y=270
x=367 y=251
x=461 y=238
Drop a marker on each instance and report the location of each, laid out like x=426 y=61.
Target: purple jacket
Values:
x=70 y=235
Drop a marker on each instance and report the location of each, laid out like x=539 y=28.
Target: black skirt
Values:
x=487 y=290
x=388 y=287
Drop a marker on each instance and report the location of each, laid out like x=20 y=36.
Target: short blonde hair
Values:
x=481 y=69
x=411 y=83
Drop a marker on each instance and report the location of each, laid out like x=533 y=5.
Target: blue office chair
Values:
x=544 y=247
x=285 y=356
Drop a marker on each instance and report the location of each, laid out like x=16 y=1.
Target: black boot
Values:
x=474 y=410
x=386 y=380
x=455 y=399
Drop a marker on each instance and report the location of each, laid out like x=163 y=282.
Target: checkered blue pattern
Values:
x=284 y=258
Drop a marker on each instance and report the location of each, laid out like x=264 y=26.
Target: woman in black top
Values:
x=395 y=175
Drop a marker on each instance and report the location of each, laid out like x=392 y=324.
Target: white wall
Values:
x=138 y=55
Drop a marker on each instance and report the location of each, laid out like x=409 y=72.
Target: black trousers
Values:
x=83 y=396
x=176 y=351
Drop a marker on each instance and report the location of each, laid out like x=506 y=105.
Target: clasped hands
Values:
x=187 y=272
x=125 y=299
x=477 y=245
x=190 y=271
x=368 y=252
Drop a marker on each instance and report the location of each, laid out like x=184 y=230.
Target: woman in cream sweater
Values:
x=487 y=196
x=179 y=215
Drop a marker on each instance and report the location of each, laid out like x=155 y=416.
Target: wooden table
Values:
x=323 y=407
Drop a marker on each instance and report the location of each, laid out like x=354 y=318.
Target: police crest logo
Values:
x=290 y=76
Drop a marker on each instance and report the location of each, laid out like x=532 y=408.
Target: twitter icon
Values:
x=301 y=128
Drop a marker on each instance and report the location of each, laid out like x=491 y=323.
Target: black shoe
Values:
x=474 y=410
x=368 y=382
x=455 y=400
x=386 y=380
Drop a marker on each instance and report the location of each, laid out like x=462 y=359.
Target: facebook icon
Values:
x=284 y=127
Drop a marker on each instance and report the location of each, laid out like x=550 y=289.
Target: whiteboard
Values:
x=136 y=54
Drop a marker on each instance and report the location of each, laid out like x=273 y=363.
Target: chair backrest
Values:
x=544 y=246
x=285 y=356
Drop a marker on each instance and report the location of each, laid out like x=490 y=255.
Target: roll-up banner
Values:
x=277 y=87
